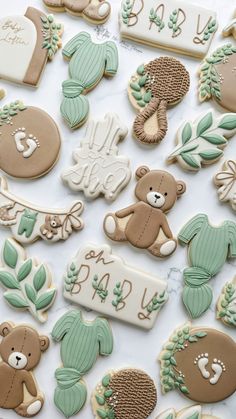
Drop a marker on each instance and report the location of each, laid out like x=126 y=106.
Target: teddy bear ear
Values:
x=5 y=329
x=44 y=343
x=141 y=171
x=181 y=187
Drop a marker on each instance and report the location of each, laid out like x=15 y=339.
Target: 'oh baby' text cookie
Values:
x=192 y=412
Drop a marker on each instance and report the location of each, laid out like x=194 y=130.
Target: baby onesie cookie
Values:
x=20 y=352
x=201 y=142
x=175 y=25
x=28 y=283
x=127 y=393
x=225 y=180
x=30 y=141
x=95 y=11
x=192 y=412
x=208 y=249
x=144 y=224
x=29 y=222
x=200 y=362
x=30 y=41
x=217 y=77
x=81 y=344
x=226 y=304
x=100 y=281
x=89 y=63
x=99 y=170
x=157 y=85
x=230 y=29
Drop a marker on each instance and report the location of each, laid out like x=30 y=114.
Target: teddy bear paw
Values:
x=167 y=248
x=112 y=229
x=98 y=12
x=34 y=408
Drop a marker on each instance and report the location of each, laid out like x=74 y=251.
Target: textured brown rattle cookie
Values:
x=157 y=85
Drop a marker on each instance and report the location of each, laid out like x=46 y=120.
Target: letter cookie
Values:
x=81 y=343
x=226 y=304
x=20 y=352
x=94 y=11
x=201 y=142
x=175 y=25
x=89 y=62
x=192 y=412
x=208 y=249
x=26 y=44
x=226 y=183
x=127 y=393
x=144 y=224
x=29 y=222
x=156 y=86
x=200 y=362
x=99 y=169
x=100 y=281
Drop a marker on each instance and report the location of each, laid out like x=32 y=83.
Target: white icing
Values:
x=218 y=368
x=202 y=361
x=167 y=248
x=188 y=16
x=34 y=408
x=103 y=9
x=18 y=37
x=110 y=224
x=17 y=360
x=226 y=179
x=230 y=29
x=31 y=142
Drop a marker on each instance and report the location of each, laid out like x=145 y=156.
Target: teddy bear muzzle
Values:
x=17 y=360
x=155 y=199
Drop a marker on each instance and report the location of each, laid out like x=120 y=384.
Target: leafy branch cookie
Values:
x=192 y=412
x=157 y=85
x=226 y=304
x=225 y=180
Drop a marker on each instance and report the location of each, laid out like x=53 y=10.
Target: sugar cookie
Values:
x=230 y=29
x=99 y=170
x=2 y=94
x=225 y=180
x=192 y=412
x=226 y=304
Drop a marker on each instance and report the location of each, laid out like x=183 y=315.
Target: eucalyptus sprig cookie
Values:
x=226 y=304
x=192 y=412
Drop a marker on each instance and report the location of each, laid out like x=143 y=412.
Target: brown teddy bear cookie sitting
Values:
x=144 y=224
x=20 y=352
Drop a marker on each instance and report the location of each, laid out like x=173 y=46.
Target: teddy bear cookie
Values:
x=199 y=362
x=127 y=393
x=95 y=11
x=157 y=85
x=144 y=224
x=30 y=41
x=225 y=180
x=20 y=352
x=226 y=304
x=192 y=412
x=30 y=141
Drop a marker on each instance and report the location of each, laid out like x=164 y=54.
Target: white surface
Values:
x=133 y=346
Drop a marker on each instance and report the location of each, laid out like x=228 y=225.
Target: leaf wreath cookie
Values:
x=157 y=85
x=226 y=304
x=28 y=284
x=201 y=142
x=200 y=363
x=192 y=412
x=225 y=180
x=217 y=77
x=127 y=393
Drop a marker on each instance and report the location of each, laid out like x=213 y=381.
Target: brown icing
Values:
x=88 y=8
x=227 y=72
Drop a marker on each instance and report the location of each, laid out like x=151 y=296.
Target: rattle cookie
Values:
x=20 y=352
x=100 y=281
x=94 y=11
x=157 y=85
x=81 y=344
x=28 y=283
x=175 y=25
x=225 y=180
x=29 y=222
x=30 y=41
x=127 y=393
x=199 y=362
x=226 y=304
x=99 y=170
x=202 y=142
x=30 y=141
x=144 y=224
x=192 y=412
x=208 y=249
x=217 y=77
x=89 y=62
x=230 y=29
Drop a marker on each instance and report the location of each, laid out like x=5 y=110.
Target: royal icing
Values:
x=225 y=180
x=20 y=352
x=208 y=249
x=89 y=62
x=29 y=41
x=123 y=394
x=174 y=25
x=2 y=94
x=81 y=343
x=99 y=169
x=226 y=304
x=155 y=86
x=192 y=412
x=200 y=363
x=144 y=224
x=98 y=280
x=29 y=222
x=230 y=29
x=201 y=142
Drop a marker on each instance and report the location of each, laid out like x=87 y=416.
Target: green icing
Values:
x=71 y=277
x=209 y=248
x=154 y=18
x=104 y=411
x=10 y=254
x=89 y=62
x=126 y=11
x=138 y=90
x=102 y=292
x=81 y=343
x=9 y=111
x=118 y=293
x=226 y=308
x=155 y=305
x=52 y=35
x=27 y=223
x=173 y=23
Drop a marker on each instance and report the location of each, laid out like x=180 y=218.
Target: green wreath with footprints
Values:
x=104 y=411
x=138 y=90
x=227 y=309
x=52 y=35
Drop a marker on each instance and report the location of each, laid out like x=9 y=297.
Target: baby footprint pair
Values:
x=217 y=366
x=31 y=142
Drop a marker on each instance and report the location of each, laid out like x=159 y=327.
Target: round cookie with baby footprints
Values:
x=29 y=141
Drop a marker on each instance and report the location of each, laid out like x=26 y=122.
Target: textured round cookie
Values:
x=29 y=141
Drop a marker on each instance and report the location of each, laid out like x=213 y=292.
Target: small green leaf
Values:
x=201 y=334
x=141 y=70
x=142 y=80
x=192 y=339
x=135 y=86
x=106 y=380
x=137 y=95
x=30 y=292
x=15 y=300
x=147 y=96
x=190 y=160
x=10 y=254
x=8 y=280
x=108 y=393
x=102 y=413
x=45 y=299
x=210 y=154
x=24 y=270
x=39 y=278
x=204 y=124
x=195 y=415
x=166 y=355
x=186 y=133
x=228 y=122
x=100 y=400
x=214 y=139
x=184 y=389
x=173 y=361
x=141 y=103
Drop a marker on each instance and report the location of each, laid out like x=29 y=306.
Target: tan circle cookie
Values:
x=123 y=394
x=30 y=141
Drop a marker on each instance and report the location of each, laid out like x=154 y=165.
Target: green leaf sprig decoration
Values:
x=201 y=142
x=9 y=111
x=154 y=18
x=52 y=32
x=210 y=29
x=173 y=23
x=171 y=377
x=104 y=392
x=28 y=284
x=226 y=306
x=71 y=277
x=118 y=292
x=155 y=305
x=126 y=11
x=137 y=86
x=102 y=292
